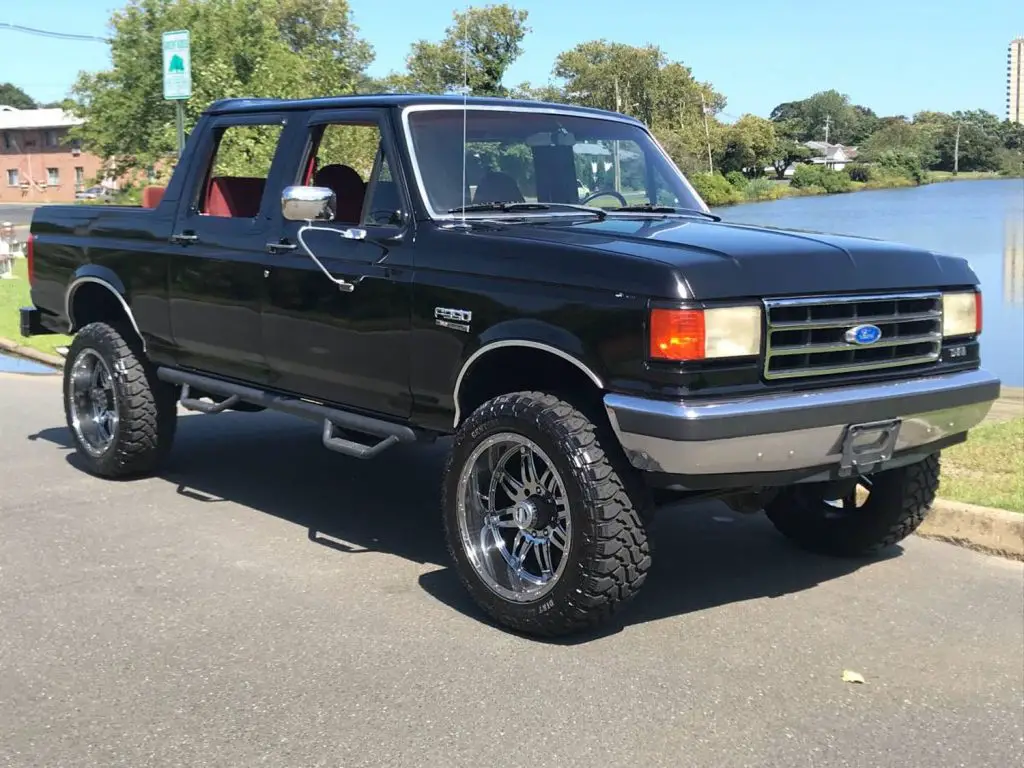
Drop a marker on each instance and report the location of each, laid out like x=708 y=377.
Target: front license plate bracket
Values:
x=865 y=446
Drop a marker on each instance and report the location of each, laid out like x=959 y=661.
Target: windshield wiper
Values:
x=651 y=208
x=515 y=207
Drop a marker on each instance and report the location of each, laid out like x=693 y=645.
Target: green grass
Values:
x=14 y=293
x=963 y=175
x=988 y=469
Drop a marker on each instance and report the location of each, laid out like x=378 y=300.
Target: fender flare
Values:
x=504 y=343
x=107 y=279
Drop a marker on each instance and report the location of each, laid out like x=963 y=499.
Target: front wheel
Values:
x=539 y=525
x=121 y=416
x=880 y=511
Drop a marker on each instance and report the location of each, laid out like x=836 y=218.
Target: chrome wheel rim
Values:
x=513 y=515
x=92 y=402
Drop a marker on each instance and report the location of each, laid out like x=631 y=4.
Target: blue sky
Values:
x=895 y=56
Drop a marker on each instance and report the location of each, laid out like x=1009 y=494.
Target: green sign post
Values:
x=178 y=76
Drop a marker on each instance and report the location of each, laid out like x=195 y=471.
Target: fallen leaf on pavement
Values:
x=849 y=676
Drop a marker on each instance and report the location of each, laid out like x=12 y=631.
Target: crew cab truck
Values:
x=400 y=268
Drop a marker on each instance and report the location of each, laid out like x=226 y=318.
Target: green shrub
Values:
x=860 y=172
x=831 y=181
x=764 y=189
x=737 y=179
x=901 y=162
x=715 y=189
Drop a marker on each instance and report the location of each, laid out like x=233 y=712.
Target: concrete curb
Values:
x=992 y=531
x=14 y=348
x=983 y=529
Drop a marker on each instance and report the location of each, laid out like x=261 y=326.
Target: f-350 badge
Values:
x=456 y=319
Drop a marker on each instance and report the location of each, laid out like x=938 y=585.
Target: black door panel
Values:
x=338 y=345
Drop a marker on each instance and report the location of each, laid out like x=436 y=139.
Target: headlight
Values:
x=961 y=313
x=701 y=334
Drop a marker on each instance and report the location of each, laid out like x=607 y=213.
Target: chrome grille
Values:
x=807 y=336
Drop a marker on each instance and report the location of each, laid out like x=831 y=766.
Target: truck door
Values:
x=345 y=345
x=217 y=280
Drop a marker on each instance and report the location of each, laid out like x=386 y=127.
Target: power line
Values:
x=56 y=35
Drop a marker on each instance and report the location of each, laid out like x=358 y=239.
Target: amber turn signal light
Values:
x=700 y=334
x=677 y=334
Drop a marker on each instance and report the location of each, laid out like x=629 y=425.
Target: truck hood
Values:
x=717 y=260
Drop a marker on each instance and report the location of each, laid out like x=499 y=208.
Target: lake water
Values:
x=982 y=221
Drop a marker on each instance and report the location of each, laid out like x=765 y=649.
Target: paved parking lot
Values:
x=266 y=602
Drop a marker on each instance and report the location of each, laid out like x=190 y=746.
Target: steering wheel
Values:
x=601 y=193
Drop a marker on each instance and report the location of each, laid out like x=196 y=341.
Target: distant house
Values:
x=834 y=156
x=38 y=162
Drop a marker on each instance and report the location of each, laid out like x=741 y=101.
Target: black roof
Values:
x=398 y=100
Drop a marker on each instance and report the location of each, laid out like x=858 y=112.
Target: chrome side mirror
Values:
x=308 y=203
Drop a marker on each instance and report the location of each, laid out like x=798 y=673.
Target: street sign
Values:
x=177 y=65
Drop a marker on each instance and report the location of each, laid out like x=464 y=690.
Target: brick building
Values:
x=38 y=162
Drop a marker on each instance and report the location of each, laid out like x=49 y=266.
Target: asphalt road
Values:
x=199 y=618
x=18 y=215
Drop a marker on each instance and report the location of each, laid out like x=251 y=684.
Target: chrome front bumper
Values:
x=795 y=430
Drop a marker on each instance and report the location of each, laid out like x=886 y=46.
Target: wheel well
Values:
x=518 y=369
x=92 y=303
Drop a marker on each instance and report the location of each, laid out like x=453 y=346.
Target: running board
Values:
x=390 y=434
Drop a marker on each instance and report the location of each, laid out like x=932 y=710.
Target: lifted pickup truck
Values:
x=400 y=268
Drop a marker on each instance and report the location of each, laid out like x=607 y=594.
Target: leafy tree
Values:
x=528 y=92
x=271 y=48
x=637 y=81
x=978 y=146
x=899 y=135
x=479 y=47
x=641 y=82
x=1012 y=134
x=750 y=145
x=848 y=123
x=12 y=96
x=787 y=152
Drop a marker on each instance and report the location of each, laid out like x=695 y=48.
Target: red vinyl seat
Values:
x=236 y=197
x=152 y=195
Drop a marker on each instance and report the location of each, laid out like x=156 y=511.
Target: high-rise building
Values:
x=1015 y=81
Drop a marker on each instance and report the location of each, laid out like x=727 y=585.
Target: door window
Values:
x=235 y=180
x=350 y=159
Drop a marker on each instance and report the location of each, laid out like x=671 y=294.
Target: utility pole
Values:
x=828 y=123
x=956 y=150
x=707 y=132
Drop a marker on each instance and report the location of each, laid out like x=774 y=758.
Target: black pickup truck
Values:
x=400 y=268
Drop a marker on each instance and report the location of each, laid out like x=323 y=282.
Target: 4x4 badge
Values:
x=456 y=319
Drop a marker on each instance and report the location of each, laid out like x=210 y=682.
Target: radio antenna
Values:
x=465 y=106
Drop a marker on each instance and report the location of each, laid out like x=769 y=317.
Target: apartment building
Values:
x=1015 y=81
x=39 y=163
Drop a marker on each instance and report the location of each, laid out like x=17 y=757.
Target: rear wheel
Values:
x=539 y=524
x=122 y=418
x=876 y=513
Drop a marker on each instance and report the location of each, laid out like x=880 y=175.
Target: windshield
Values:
x=540 y=157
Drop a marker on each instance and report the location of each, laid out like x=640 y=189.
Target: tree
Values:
x=969 y=141
x=900 y=135
x=750 y=145
x=847 y=123
x=641 y=82
x=528 y=92
x=12 y=96
x=479 y=47
x=291 y=48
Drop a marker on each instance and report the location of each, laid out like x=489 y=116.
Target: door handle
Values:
x=184 y=238
x=280 y=247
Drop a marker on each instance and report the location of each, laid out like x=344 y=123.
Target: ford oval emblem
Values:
x=863 y=334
